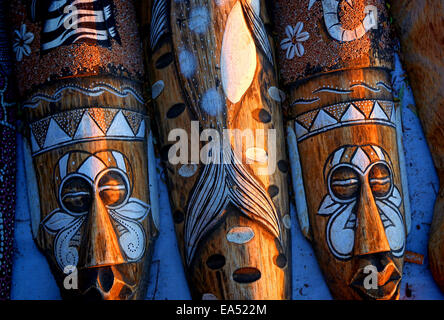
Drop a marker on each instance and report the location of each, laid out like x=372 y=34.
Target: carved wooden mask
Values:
x=420 y=26
x=212 y=68
x=342 y=133
x=79 y=69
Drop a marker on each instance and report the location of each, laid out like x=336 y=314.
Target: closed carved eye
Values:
x=345 y=183
x=76 y=194
x=380 y=180
x=113 y=188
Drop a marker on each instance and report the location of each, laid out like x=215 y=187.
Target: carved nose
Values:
x=100 y=246
x=370 y=234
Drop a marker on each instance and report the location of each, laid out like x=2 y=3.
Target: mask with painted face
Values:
x=344 y=144
x=86 y=157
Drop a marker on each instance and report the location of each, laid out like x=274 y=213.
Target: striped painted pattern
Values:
x=71 y=21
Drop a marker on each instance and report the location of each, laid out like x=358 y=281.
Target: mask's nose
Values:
x=370 y=237
x=100 y=245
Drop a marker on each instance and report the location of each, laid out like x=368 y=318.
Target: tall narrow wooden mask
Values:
x=79 y=70
x=213 y=80
x=334 y=58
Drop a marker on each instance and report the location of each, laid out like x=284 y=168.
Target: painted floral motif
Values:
x=293 y=41
x=21 y=42
x=66 y=226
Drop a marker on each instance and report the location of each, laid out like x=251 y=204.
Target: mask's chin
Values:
x=388 y=280
x=113 y=282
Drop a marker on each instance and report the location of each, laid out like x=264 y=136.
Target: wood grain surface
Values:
x=211 y=70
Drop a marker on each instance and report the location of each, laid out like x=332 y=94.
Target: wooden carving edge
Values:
x=298 y=184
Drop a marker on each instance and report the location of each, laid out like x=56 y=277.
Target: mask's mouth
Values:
x=105 y=283
x=386 y=286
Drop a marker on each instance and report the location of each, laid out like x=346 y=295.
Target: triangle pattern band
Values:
x=342 y=114
x=86 y=124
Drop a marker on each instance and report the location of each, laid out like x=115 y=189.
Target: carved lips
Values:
x=387 y=279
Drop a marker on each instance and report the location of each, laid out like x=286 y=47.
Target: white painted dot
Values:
x=240 y=235
x=287 y=221
x=187 y=63
x=199 y=19
x=220 y=2
x=276 y=94
x=212 y=102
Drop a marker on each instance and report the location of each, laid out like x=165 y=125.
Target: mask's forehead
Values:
x=89 y=164
x=361 y=157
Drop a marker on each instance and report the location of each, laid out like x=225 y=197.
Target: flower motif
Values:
x=21 y=42
x=293 y=41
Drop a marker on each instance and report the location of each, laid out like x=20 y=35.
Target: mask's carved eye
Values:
x=113 y=188
x=345 y=183
x=380 y=180
x=76 y=194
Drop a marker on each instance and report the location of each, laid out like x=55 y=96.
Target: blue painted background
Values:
x=33 y=280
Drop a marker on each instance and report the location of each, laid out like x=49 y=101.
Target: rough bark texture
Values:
x=334 y=60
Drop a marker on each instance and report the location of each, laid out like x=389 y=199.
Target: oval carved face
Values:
x=100 y=223
x=113 y=188
x=77 y=191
